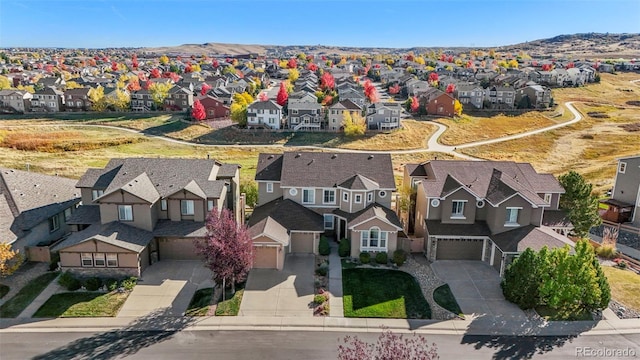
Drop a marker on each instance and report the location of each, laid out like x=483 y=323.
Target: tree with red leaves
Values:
x=389 y=346
x=410 y=57
x=114 y=66
x=215 y=63
x=450 y=89
x=205 y=88
x=48 y=68
x=469 y=64
x=450 y=58
x=328 y=100
x=415 y=104
x=227 y=249
x=155 y=73
x=292 y=63
x=263 y=96
x=171 y=75
x=142 y=76
x=370 y=91
x=312 y=67
x=433 y=79
x=198 y=112
x=283 y=96
x=188 y=68
x=443 y=57
x=134 y=85
x=134 y=61
x=570 y=65
x=395 y=89
x=546 y=67
x=327 y=81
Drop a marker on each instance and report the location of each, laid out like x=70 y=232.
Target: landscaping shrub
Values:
x=381 y=258
x=323 y=248
x=344 y=249
x=129 y=283
x=399 y=257
x=323 y=269
x=93 y=284
x=365 y=257
x=622 y=264
x=69 y=282
x=606 y=251
x=320 y=298
x=55 y=258
x=112 y=284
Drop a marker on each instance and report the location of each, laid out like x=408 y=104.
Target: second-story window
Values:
x=622 y=167
x=345 y=196
x=547 y=198
x=163 y=204
x=512 y=217
x=358 y=198
x=54 y=223
x=308 y=196
x=187 y=207
x=96 y=194
x=457 y=209
x=209 y=205
x=269 y=187
x=125 y=213
x=329 y=197
x=369 y=197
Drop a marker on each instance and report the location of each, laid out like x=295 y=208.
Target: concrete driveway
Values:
x=281 y=293
x=167 y=286
x=476 y=287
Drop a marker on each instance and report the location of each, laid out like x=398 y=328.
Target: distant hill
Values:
x=576 y=45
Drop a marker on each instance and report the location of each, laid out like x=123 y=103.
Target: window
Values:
x=373 y=239
x=358 y=198
x=512 y=217
x=209 y=205
x=547 y=198
x=186 y=207
x=329 y=197
x=67 y=214
x=369 y=197
x=87 y=259
x=269 y=187
x=125 y=213
x=345 y=196
x=98 y=260
x=622 y=167
x=457 y=209
x=96 y=194
x=308 y=196
x=328 y=222
x=382 y=194
x=112 y=260
x=54 y=223
x=163 y=204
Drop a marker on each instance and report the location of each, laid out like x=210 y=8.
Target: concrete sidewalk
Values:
x=336 y=306
x=51 y=289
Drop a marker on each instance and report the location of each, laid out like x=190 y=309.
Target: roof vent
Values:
x=298 y=155
x=334 y=156
x=270 y=157
x=370 y=157
x=310 y=162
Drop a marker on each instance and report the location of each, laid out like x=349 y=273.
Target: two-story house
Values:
x=336 y=113
x=15 y=100
x=48 y=99
x=214 y=108
x=501 y=97
x=305 y=116
x=77 y=99
x=470 y=95
x=624 y=204
x=179 y=99
x=264 y=113
x=137 y=211
x=34 y=207
x=383 y=116
x=355 y=95
x=141 y=100
x=534 y=96
x=304 y=194
x=485 y=210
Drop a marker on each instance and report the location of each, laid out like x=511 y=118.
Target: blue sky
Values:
x=377 y=23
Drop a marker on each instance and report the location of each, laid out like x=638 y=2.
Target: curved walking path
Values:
x=433 y=144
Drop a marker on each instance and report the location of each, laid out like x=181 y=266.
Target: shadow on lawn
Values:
x=525 y=339
x=143 y=332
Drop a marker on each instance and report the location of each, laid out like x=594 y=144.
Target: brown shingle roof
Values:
x=114 y=233
x=479 y=228
x=269 y=167
x=518 y=240
x=289 y=214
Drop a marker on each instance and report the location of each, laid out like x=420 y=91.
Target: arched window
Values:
x=373 y=239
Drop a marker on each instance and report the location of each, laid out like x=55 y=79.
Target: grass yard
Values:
x=14 y=306
x=4 y=290
x=199 y=305
x=378 y=293
x=475 y=128
x=553 y=315
x=231 y=306
x=625 y=286
x=82 y=304
x=442 y=296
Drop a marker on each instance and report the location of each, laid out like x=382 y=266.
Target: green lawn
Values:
x=553 y=315
x=4 y=289
x=625 y=286
x=443 y=297
x=378 y=293
x=199 y=305
x=25 y=296
x=231 y=306
x=82 y=304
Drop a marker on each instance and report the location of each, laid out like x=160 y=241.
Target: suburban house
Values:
x=305 y=116
x=485 y=210
x=141 y=100
x=437 y=102
x=356 y=96
x=336 y=113
x=264 y=114
x=179 y=99
x=48 y=99
x=77 y=99
x=534 y=96
x=470 y=95
x=34 y=207
x=137 y=211
x=383 y=116
x=501 y=97
x=214 y=108
x=304 y=194
x=15 y=100
x=624 y=204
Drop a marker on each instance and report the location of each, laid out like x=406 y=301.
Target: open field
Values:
x=612 y=89
x=591 y=146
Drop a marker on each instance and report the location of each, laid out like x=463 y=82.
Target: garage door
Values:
x=177 y=249
x=266 y=257
x=302 y=242
x=459 y=249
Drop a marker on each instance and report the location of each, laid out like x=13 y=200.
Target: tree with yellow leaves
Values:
x=457 y=108
x=4 y=83
x=98 y=102
x=120 y=100
x=73 y=85
x=10 y=260
x=159 y=91
x=294 y=74
x=284 y=64
x=239 y=107
x=354 y=125
x=164 y=59
x=513 y=63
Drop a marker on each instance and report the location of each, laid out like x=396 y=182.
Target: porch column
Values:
x=484 y=248
x=493 y=252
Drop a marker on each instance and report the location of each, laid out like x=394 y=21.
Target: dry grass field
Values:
x=610 y=129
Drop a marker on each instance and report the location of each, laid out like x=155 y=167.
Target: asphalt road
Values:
x=266 y=345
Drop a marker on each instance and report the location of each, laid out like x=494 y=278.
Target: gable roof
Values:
x=269 y=167
x=530 y=236
x=370 y=212
x=289 y=214
x=114 y=233
x=359 y=182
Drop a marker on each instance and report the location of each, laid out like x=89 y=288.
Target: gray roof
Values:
x=493 y=180
x=85 y=214
x=289 y=214
x=359 y=182
x=325 y=169
x=269 y=167
x=518 y=240
x=346 y=104
x=271 y=228
x=182 y=229
x=556 y=218
x=152 y=178
x=114 y=233
x=478 y=228
x=370 y=212
x=265 y=105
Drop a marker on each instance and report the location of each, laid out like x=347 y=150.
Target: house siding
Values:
x=469 y=208
x=497 y=216
x=264 y=196
x=354 y=236
x=421 y=208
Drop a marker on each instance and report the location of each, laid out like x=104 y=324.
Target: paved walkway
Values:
x=336 y=306
x=52 y=288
